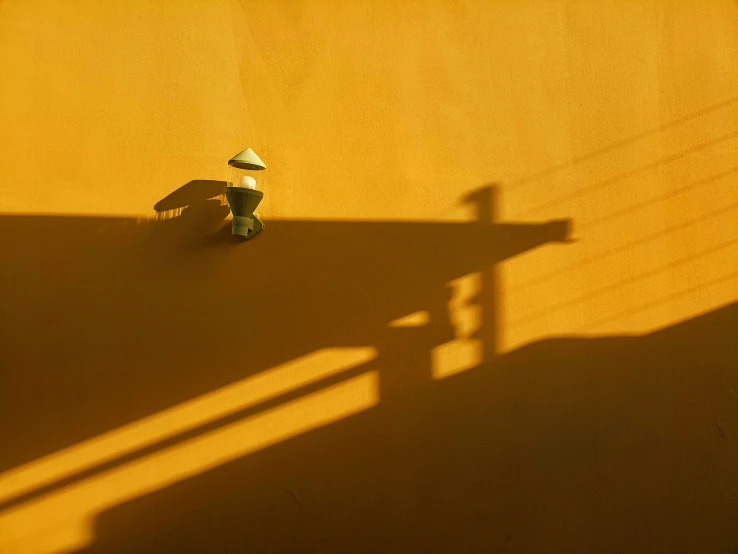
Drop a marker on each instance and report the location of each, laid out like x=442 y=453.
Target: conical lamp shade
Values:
x=247 y=159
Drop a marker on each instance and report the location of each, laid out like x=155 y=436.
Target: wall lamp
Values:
x=243 y=192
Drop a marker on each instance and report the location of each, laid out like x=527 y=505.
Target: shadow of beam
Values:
x=133 y=311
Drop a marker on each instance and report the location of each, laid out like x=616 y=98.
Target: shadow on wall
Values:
x=566 y=445
x=110 y=320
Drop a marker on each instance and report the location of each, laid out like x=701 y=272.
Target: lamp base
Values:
x=246 y=227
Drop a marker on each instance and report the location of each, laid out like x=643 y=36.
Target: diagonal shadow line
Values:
x=190 y=434
x=628 y=281
x=622 y=176
x=653 y=304
x=670 y=194
x=621 y=143
x=615 y=215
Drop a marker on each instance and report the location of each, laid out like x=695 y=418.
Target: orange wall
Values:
x=621 y=116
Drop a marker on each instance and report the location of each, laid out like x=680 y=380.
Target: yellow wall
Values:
x=621 y=116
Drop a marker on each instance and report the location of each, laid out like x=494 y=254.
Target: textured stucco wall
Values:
x=621 y=116
x=393 y=110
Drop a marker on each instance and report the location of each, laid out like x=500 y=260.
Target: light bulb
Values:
x=247 y=182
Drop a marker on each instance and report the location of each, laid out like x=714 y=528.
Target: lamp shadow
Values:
x=108 y=321
x=191 y=194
